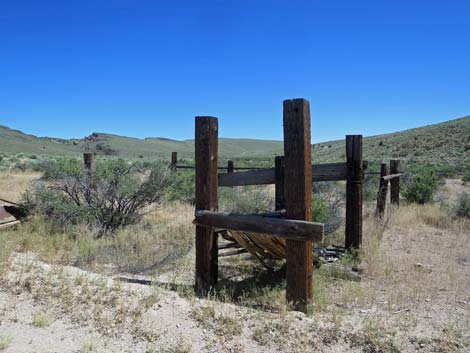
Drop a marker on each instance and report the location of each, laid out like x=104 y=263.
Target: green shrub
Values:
x=115 y=197
x=247 y=199
x=466 y=176
x=420 y=187
x=320 y=209
x=180 y=187
x=462 y=208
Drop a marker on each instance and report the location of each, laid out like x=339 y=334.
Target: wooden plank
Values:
x=355 y=165
x=390 y=176
x=382 y=193
x=298 y=201
x=279 y=184
x=232 y=253
x=329 y=172
x=277 y=227
x=252 y=177
x=320 y=172
x=395 y=182
x=206 y=145
x=9 y=224
x=229 y=245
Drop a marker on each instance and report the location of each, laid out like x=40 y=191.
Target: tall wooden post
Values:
x=230 y=167
x=382 y=193
x=279 y=185
x=206 y=145
x=298 y=200
x=395 y=182
x=89 y=159
x=174 y=160
x=353 y=230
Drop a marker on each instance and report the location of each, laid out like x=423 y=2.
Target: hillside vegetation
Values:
x=443 y=143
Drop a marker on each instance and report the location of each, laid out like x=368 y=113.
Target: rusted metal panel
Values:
x=5 y=217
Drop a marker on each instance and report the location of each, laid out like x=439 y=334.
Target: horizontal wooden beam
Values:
x=234 y=252
x=277 y=227
x=320 y=172
x=252 y=177
x=391 y=176
x=329 y=172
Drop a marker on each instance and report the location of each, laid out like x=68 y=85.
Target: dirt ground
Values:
x=414 y=296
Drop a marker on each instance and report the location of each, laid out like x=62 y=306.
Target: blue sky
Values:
x=146 y=68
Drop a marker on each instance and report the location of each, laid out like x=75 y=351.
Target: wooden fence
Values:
x=388 y=174
x=293 y=196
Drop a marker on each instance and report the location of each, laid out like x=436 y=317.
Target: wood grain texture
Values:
x=298 y=200
x=265 y=176
x=355 y=165
x=278 y=227
x=383 y=189
x=279 y=200
x=395 y=182
x=206 y=145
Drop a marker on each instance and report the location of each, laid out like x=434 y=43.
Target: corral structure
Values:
x=290 y=227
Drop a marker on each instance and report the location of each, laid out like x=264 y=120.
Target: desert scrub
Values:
x=180 y=187
x=115 y=196
x=159 y=241
x=245 y=199
x=462 y=207
x=420 y=187
x=4 y=342
x=41 y=320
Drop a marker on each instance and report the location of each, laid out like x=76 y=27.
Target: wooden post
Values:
x=230 y=167
x=279 y=185
x=89 y=159
x=353 y=230
x=395 y=182
x=206 y=145
x=174 y=160
x=382 y=193
x=298 y=200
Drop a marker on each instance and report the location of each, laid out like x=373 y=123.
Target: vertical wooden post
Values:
x=382 y=193
x=174 y=160
x=395 y=182
x=353 y=230
x=89 y=159
x=279 y=185
x=206 y=145
x=298 y=200
x=230 y=167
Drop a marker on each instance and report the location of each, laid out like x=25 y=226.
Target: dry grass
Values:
x=12 y=185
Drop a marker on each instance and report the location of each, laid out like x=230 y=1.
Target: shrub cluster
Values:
x=462 y=208
x=420 y=187
x=115 y=196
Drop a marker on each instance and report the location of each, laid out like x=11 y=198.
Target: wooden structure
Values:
x=291 y=226
x=388 y=174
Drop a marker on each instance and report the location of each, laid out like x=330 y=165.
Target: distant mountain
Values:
x=443 y=143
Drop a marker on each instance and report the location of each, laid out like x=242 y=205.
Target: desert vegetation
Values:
x=413 y=265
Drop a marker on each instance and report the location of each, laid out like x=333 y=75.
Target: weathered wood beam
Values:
x=320 y=172
x=298 y=201
x=395 y=183
x=391 y=176
x=353 y=228
x=382 y=193
x=206 y=145
x=277 y=227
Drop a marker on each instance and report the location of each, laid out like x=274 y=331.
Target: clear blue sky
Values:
x=146 y=68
